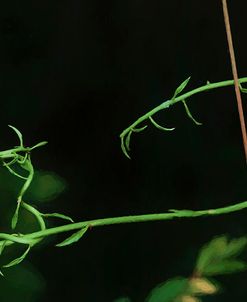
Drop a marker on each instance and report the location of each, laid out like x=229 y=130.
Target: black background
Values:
x=76 y=73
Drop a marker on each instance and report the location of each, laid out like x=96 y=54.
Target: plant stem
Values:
x=235 y=75
x=180 y=98
x=123 y=220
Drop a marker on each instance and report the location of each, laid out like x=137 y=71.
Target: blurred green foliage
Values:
x=218 y=257
x=22 y=283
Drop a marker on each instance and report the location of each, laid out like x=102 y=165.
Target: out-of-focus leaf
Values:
x=216 y=256
x=46 y=186
x=21 y=283
x=168 y=291
x=187 y=299
x=73 y=238
x=224 y=267
x=235 y=247
x=202 y=286
x=211 y=251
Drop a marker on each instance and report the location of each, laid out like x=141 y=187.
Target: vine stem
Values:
x=25 y=239
x=235 y=75
x=168 y=103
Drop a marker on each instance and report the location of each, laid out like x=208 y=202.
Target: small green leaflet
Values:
x=235 y=247
x=124 y=148
x=160 y=127
x=18 y=260
x=73 y=238
x=27 y=165
x=39 y=145
x=15 y=216
x=190 y=115
x=224 y=267
x=3 y=244
x=58 y=215
x=18 y=134
x=181 y=87
x=137 y=130
x=127 y=141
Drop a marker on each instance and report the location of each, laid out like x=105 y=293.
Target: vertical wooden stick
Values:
x=235 y=76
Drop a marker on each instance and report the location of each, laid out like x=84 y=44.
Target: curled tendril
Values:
x=190 y=115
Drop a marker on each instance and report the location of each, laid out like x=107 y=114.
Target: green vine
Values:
x=125 y=135
x=21 y=156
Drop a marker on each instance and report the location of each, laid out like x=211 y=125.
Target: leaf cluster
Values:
x=20 y=157
x=218 y=257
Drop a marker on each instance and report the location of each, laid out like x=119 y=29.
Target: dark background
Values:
x=76 y=73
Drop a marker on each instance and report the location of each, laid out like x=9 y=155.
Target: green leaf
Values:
x=58 y=215
x=210 y=252
x=139 y=129
x=224 y=267
x=18 y=260
x=39 y=145
x=3 y=244
x=190 y=115
x=14 y=173
x=73 y=238
x=160 y=127
x=203 y=286
x=18 y=134
x=181 y=87
x=217 y=257
x=22 y=283
x=15 y=216
x=127 y=141
x=46 y=186
x=235 y=247
x=168 y=291
x=27 y=165
x=124 y=148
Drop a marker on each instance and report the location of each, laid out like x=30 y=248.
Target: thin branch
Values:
x=168 y=103
x=25 y=239
x=235 y=75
